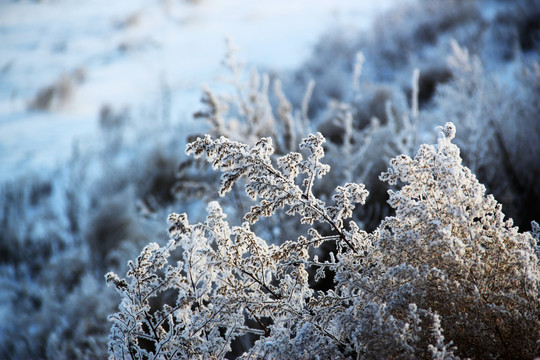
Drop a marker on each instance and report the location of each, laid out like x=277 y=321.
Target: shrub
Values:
x=498 y=121
x=445 y=277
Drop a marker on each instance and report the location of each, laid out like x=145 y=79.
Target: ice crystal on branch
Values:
x=278 y=189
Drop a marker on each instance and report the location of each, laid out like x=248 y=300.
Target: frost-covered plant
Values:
x=364 y=133
x=251 y=105
x=464 y=261
x=498 y=119
x=445 y=277
x=487 y=96
x=247 y=112
x=228 y=271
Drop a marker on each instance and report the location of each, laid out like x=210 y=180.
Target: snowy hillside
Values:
x=61 y=61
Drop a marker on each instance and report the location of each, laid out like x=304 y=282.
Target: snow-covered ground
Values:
x=123 y=53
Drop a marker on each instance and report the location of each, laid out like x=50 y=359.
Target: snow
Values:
x=128 y=50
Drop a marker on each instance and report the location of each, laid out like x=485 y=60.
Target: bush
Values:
x=445 y=277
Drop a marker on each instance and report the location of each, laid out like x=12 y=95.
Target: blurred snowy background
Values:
x=97 y=101
x=63 y=61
